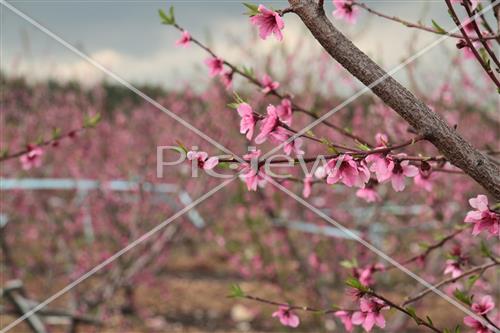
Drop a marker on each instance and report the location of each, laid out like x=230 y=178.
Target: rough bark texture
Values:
x=426 y=122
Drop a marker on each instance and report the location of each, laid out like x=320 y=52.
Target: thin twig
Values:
x=471 y=46
x=415 y=25
x=450 y=280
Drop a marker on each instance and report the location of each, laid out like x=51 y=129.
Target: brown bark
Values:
x=427 y=123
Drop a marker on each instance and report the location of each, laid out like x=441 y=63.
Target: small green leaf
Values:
x=424 y=246
x=354 y=283
x=462 y=297
x=485 y=57
x=233 y=105
x=412 y=312
x=252 y=9
x=56 y=133
x=429 y=320
x=485 y=251
x=236 y=292
x=363 y=146
x=167 y=19
x=4 y=152
x=349 y=263
x=457 y=329
x=181 y=146
x=238 y=99
x=91 y=121
x=248 y=71
x=471 y=280
x=438 y=28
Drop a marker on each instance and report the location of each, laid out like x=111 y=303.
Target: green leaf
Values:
x=4 y=152
x=56 y=133
x=363 y=146
x=429 y=320
x=471 y=280
x=181 y=146
x=236 y=292
x=252 y=9
x=462 y=297
x=423 y=245
x=354 y=283
x=485 y=251
x=349 y=263
x=330 y=146
x=485 y=57
x=438 y=28
x=412 y=312
x=91 y=121
x=167 y=19
x=457 y=329
x=233 y=105
x=248 y=71
x=238 y=98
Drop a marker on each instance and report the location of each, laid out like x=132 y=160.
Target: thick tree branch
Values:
x=427 y=123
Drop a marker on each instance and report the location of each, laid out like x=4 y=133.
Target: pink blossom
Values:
x=369 y=315
x=184 y=40
x=215 y=65
x=345 y=169
x=268 y=84
x=248 y=120
x=476 y=325
x=381 y=165
x=381 y=139
x=280 y=135
x=365 y=275
x=344 y=10
x=269 y=124
x=400 y=171
x=204 y=162
x=483 y=218
x=484 y=306
x=32 y=159
x=453 y=267
x=252 y=176
x=368 y=194
x=468 y=25
x=287 y=317
x=227 y=79
x=423 y=181
x=307 y=186
x=345 y=318
x=269 y=22
x=285 y=111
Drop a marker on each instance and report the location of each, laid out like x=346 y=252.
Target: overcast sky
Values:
x=127 y=37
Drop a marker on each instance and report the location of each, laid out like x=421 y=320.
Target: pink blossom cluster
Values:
x=483 y=217
x=368 y=316
x=481 y=308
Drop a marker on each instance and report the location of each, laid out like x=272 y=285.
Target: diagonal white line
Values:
x=376 y=82
x=118 y=254
x=118 y=78
x=380 y=253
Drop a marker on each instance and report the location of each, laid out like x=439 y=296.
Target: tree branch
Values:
x=473 y=270
x=415 y=25
x=427 y=123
